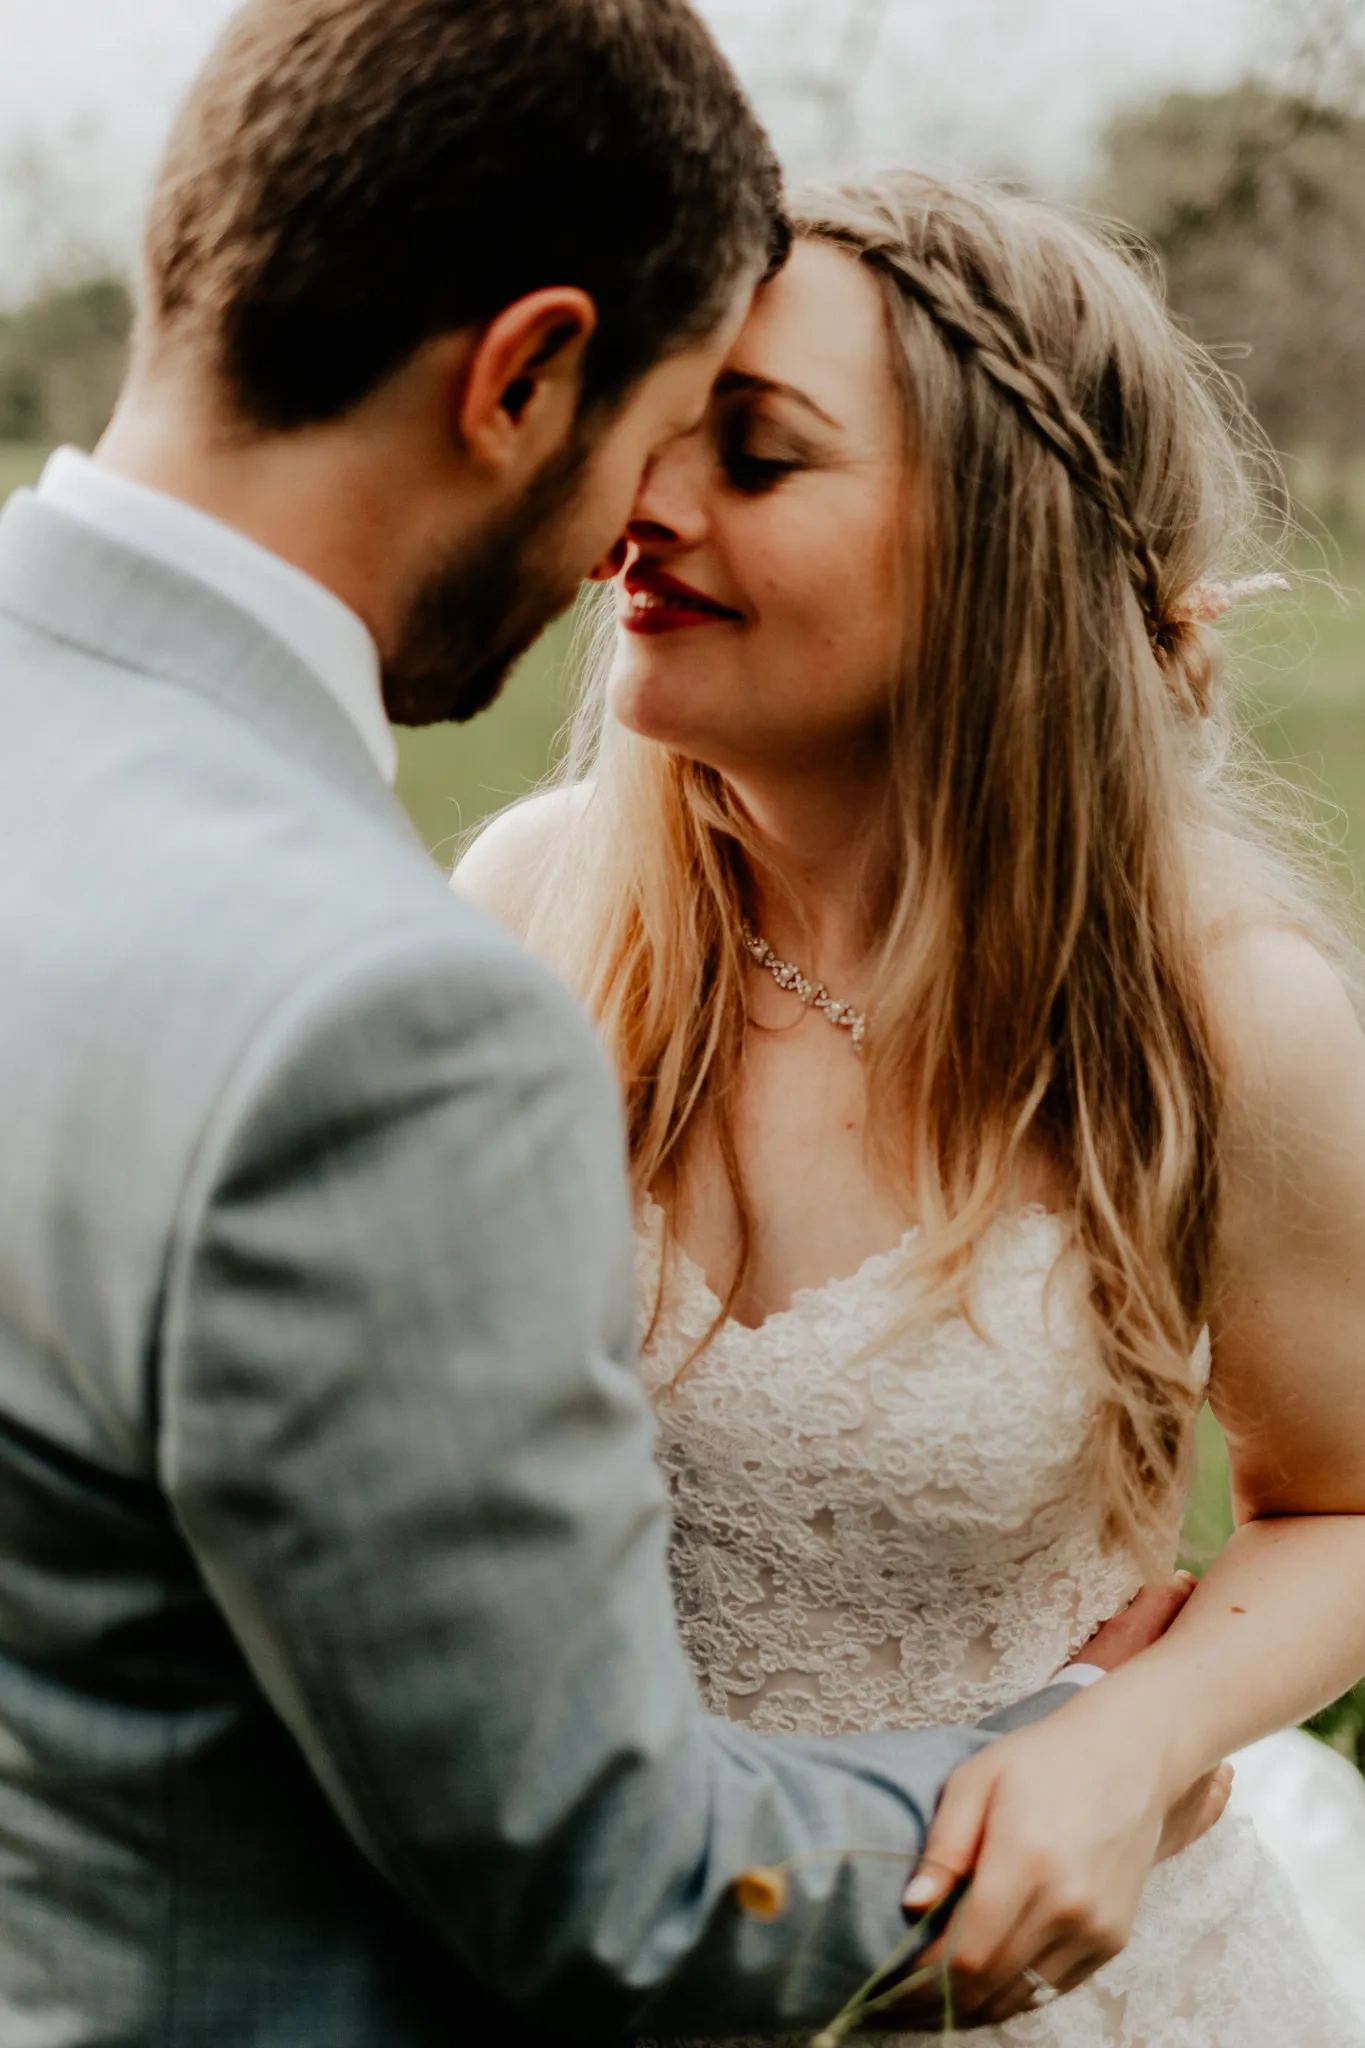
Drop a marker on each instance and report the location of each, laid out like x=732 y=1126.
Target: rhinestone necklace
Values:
x=813 y=994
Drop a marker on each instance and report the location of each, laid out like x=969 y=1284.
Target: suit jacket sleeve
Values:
x=404 y=1435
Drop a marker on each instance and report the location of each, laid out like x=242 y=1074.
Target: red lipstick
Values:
x=652 y=601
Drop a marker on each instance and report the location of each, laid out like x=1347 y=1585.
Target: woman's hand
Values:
x=986 y=2003
x=1059 y=1825
x=1062 y=1834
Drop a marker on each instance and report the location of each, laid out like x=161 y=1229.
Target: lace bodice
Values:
x=884 y=1524
x=883 y=1533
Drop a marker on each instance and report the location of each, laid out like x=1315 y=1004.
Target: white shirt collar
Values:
x=314 y=624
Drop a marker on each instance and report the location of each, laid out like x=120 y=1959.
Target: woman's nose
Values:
x=669 y=510
x=670 y=507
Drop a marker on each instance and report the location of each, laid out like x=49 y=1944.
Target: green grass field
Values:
x=1301 y=682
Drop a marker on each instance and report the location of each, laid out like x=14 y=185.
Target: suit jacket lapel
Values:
x=66 y=579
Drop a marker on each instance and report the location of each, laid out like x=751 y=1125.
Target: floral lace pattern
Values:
x=880 y=1526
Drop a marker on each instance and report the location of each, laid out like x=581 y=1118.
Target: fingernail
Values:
x=1188 y=1577
x=923 y=1889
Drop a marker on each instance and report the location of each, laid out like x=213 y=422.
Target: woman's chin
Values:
x=653 y=712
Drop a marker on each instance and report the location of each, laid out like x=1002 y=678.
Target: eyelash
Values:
x=754 y=474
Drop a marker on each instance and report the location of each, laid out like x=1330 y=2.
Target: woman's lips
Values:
x=667 y=607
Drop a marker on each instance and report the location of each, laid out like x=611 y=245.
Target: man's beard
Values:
x=474 y=618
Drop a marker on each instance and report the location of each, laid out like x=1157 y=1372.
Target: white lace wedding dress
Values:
x=884 y=1531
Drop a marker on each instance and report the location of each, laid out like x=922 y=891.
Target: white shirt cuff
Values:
x=1080 y=1674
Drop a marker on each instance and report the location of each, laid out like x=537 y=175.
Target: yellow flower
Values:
x=762 y=1892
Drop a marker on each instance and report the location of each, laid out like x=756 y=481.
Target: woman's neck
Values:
x=817 y=890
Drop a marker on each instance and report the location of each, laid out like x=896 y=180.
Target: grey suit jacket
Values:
x=340 y=1697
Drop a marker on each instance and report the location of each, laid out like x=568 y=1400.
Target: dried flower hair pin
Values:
x=1205 y=603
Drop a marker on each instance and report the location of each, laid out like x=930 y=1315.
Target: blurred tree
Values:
x=1255 y=200
x=1322 y=50
x=61 y=362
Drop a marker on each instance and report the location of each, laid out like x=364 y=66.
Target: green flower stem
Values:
x=866 y=2000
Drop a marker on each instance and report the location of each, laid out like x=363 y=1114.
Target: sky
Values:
x=87 y=88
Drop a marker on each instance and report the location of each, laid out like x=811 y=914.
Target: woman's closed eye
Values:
x=762 y=433
x=757 y=453
x=753 y=473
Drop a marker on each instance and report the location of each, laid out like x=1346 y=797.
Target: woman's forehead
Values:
x=819 y=326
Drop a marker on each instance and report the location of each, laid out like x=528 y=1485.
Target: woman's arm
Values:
x=1277 y=1627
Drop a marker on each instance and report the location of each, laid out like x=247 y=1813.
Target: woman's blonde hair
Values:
x=1059 y=803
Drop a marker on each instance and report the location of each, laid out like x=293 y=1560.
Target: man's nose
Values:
x=612 y=563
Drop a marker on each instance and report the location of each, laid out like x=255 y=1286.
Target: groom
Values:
x=340 y=1698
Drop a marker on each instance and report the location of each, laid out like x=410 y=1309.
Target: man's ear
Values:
x=522 y=385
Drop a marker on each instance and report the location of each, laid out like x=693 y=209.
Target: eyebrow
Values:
x=733 y=382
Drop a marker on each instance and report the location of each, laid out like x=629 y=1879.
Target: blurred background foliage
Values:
x=61 y=362
x=1254 y=199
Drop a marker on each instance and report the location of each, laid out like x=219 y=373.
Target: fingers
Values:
x=975 y=2003
x=1201 y=1808
x=930 y=2015
x=1002 y=1989
x=1156 y=1606
x=1060 y=1969
x=954 y=1840
x=929 y=1886
x=1143 y=1622
x=1066 y=1964
x=1019 y=1996
x=1028 y=1911
x=994 y=1996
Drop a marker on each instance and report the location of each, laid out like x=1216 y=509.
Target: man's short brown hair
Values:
x=350 y=178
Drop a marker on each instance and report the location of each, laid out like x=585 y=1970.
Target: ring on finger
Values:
x=1043 y=1992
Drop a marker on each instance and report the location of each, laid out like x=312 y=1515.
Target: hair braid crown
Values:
x=993 y=337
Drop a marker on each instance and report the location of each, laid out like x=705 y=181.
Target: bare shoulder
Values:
x=1294 y=1132
x=1286 y=1021
x=503 y=869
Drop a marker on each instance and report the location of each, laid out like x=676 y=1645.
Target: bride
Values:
x=990 y=1090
